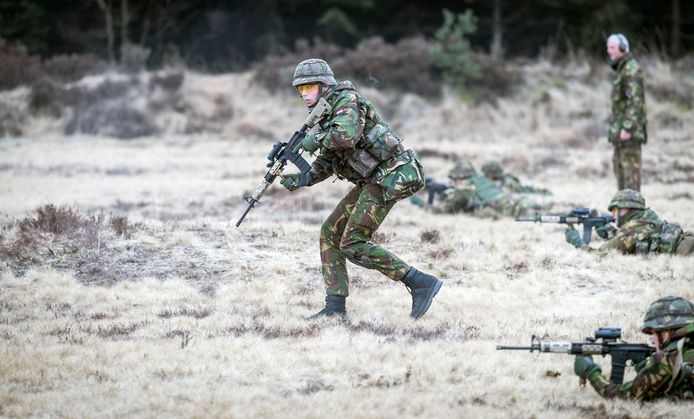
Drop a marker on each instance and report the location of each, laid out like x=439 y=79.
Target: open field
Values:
x=150 y=302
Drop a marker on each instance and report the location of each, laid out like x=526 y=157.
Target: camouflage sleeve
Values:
x=634 y=99
x=512 y=184
x=651 y=381
x=456 y=200
x=624 y=241
x=321 y=169
x=345 y=127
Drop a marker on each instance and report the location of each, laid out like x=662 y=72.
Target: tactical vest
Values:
x=377 y=146
x=667 y=240
x=682 y=383
x=485 y=190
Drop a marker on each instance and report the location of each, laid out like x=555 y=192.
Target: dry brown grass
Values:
x=178 y=313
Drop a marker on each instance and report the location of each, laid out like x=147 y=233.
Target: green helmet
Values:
x=627 y=198
x=668 y=313
x=313 y=70
x=492 y=170
x=462 y=170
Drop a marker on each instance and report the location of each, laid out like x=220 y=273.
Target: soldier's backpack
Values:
x=667 y=239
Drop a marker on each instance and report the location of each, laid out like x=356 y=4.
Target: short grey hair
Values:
x=623 y=41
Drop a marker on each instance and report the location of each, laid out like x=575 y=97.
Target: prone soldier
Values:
x=669 y=372
x=471 y=192
x=639 y=229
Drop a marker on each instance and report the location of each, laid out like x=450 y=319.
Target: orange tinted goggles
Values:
x=307 y=88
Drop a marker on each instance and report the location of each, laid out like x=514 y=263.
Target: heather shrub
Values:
x=373 y=62
x=275 y=72
x=11 y=120
x=134 y=58
x=66 y=68
x=18 y=67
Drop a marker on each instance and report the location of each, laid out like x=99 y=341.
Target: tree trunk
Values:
x=124 y=20
x=496 y=50
x=676 y=35
x=105 y=6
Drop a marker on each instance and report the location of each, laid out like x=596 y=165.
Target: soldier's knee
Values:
x=328 y=232
x=357 y=252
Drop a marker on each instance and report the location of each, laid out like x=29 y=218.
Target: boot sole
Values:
x=429 y=298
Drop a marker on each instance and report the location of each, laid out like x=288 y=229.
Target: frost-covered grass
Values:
x=188 y=316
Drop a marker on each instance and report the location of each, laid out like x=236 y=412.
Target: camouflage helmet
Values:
x=492 y=170
x=627 y=198
x=313 y=70
x=668 y=313
x=461 y=170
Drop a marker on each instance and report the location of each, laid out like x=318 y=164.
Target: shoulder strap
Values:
x=678 y=364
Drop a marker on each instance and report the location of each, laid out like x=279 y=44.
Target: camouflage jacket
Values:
x=358 y=145
x=668 y=373
x=644 y=232
x=510 y=183
x=470 y=194
x=628 y=103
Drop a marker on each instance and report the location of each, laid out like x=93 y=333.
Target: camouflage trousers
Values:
x=346 y=235
x=627 y=166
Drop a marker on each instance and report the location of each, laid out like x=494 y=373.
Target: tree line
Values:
x=218 y=35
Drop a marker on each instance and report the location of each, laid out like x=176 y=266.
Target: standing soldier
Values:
x=628 y=124
x=669 y=372
x=639 y=229
x=354 y=143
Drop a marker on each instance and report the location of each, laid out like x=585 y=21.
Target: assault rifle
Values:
x=621 y=352
x=434 y=188
x=282 y=153
x=587 y=216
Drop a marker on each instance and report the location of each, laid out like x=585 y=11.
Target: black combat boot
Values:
x=423 y=288
x=334 y=306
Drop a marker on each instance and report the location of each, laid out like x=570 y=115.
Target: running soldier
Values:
x=356 y=144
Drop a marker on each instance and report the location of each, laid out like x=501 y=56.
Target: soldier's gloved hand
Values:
x=606 y=231
x=310 y=143
x=573 y=237
x=584 y=366
x=294 y=181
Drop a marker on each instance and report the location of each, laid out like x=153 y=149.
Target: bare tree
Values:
x=124 y=20
x=496 y=50
x=105 y=6
x=676 y=35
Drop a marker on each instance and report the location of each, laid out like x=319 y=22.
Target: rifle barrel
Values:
x=251 y=203
x=514 y=348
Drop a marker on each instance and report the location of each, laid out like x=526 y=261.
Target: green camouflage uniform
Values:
x=476 y=194
x=642 y=231
x=357 y=145
x=667 y=373
x=508 y=182
x=628 y=113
